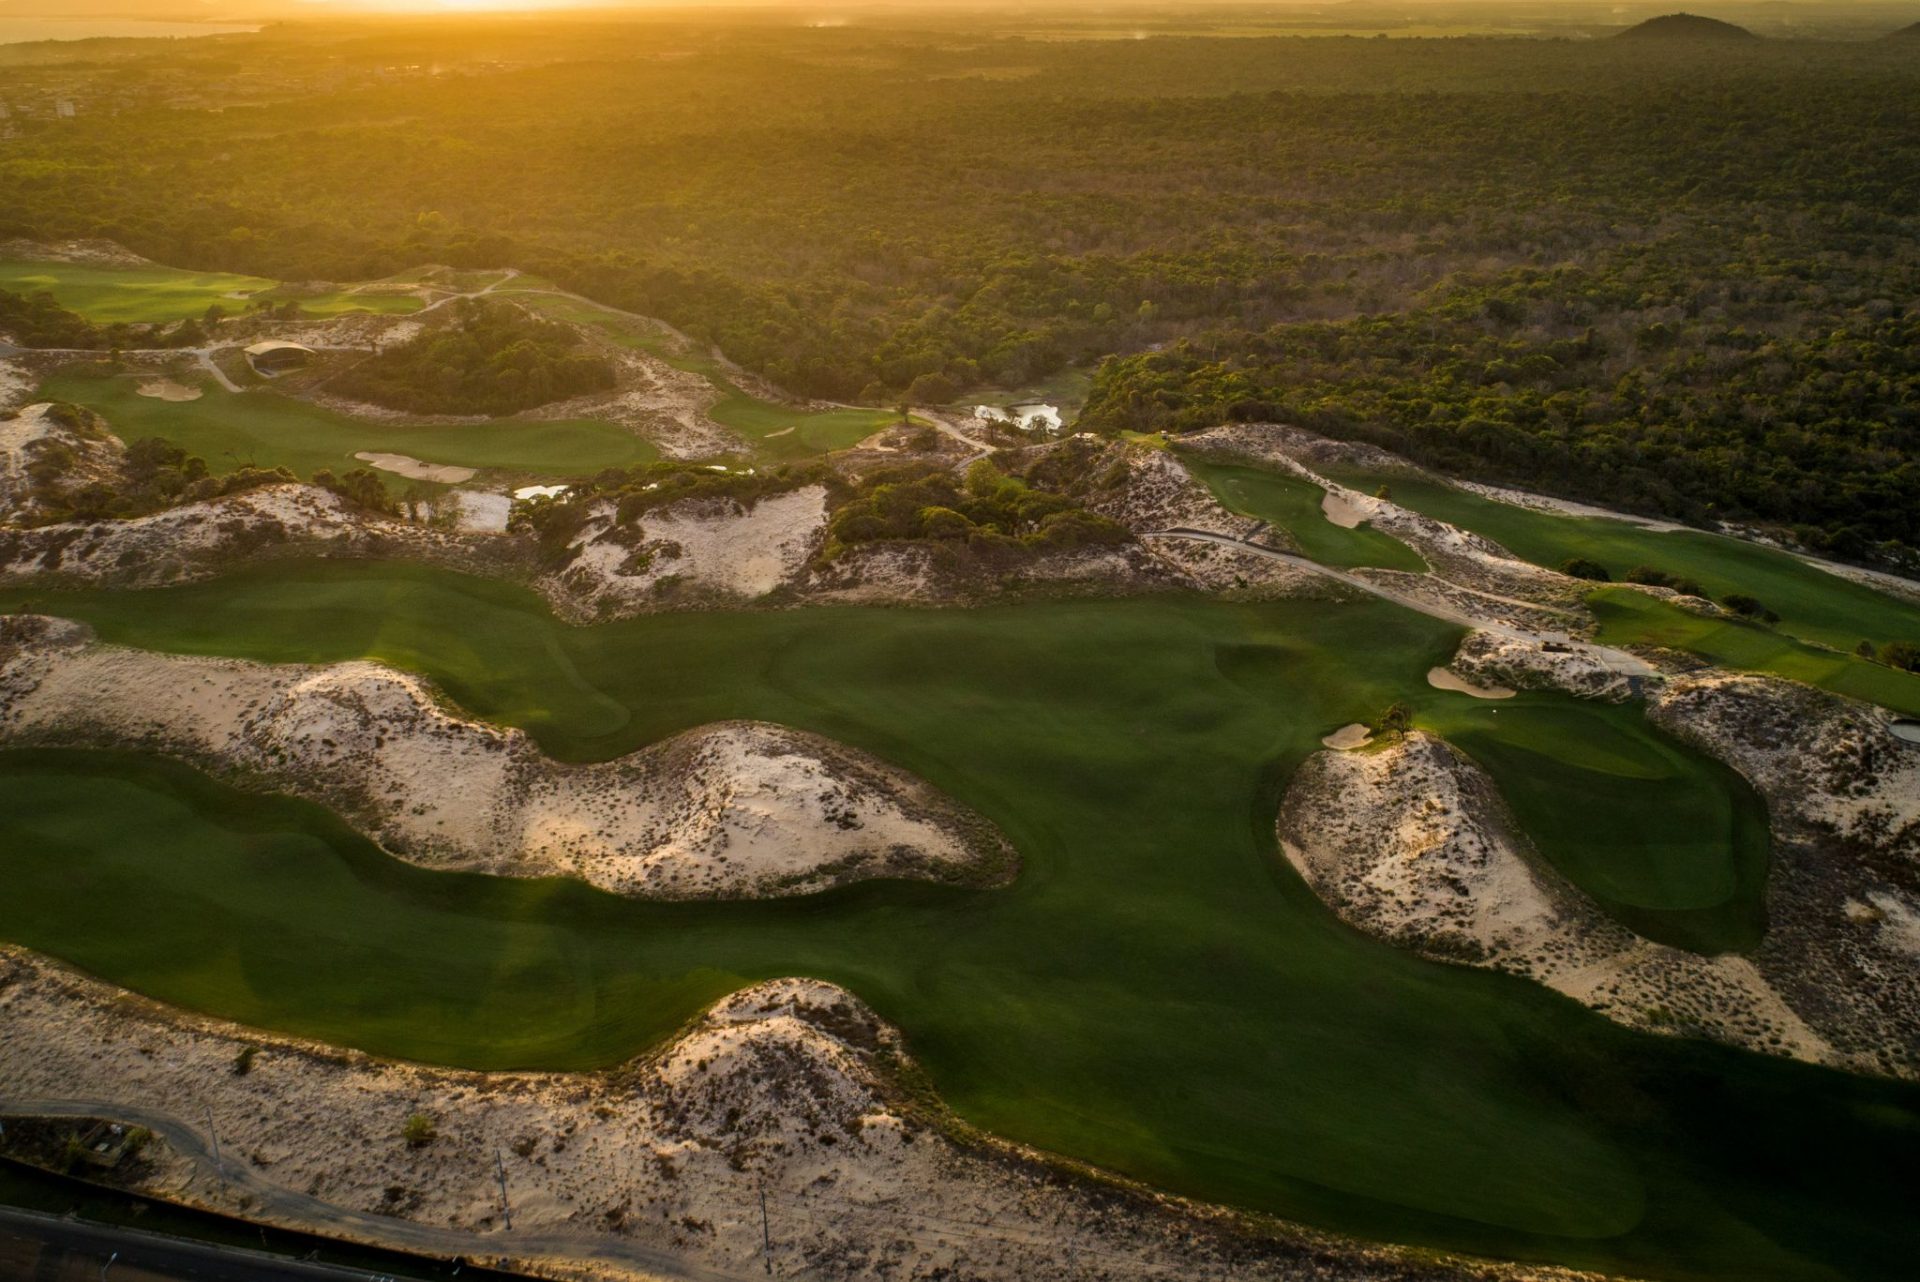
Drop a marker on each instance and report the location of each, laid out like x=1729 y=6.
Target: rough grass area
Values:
x=778 y=433
x=1157 y=993
x=136 y=295
x=1813 y=604
x=266 y=429
x=1293 y=505
x=1628 y=617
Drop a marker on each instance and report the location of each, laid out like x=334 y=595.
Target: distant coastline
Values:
x=22 y=30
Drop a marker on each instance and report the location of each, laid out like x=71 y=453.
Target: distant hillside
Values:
x=1686 y=26
x=1911 y=32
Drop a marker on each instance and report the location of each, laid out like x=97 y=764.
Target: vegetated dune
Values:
x=1843 y=894
x=791 y=1090
x=1686 y=26
x=730 y=810
x=195 y=540
x=1410 y=841
x=46 y=453
x=1159 y=494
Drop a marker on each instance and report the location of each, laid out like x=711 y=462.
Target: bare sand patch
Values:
x=717 y=546
x=785 y=431
x=414 y=470
x=482 y=511
x=1347 y=738
x=1447 y=679
x=165 y=389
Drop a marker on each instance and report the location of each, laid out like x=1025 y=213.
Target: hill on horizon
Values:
x=1909 y=32
x=1686 y=26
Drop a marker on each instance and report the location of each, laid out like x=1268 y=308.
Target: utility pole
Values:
x=766 y=1233
x=500 y=1168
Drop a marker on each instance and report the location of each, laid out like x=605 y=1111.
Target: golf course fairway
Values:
x=1157 y=993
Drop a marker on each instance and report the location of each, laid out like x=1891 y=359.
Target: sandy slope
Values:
x=38 y=433
x=1409 y=841
x=734 y=809
x=707 y=547
x=791 y=1087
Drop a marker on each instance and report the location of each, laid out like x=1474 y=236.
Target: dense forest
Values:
x=1675 y=277
x=494 y=358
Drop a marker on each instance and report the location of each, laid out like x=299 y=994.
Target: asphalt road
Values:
x=37 y=1247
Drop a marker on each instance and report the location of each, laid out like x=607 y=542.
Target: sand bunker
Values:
x=785 y=431
x=414 y=470
x=1907 y=730
x=1446 y=679
x=1346 y=738
x=167 y=390
x=1339 y=508
x=540 y=492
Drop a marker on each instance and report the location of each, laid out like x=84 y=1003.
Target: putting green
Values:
x=267 y=429
x=1293 y=505
x=135 y=295
x=1157 y=993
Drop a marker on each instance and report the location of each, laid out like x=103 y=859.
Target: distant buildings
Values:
x=274 y=357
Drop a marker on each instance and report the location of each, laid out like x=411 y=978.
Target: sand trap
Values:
x=1906 y=729
x=167 y=390
x=1341 y=510
x=1347 y=738
x=540 y=492
x=414 y=470
x=785 y=431
x=1446 y=679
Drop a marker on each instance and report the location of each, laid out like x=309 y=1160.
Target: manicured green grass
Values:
x=1583 y=787
x=1628 y=617
x=1157 y=992
x=134 y=295
x=1813 y=604
x=1293 y=505
x=781 y=433
x=267 y=429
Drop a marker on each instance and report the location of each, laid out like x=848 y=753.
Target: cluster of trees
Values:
x=1705 y=392
x=1423 y=232
x=989 y=512
x=494 y=359
x=36 y=320
x=155 y=474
